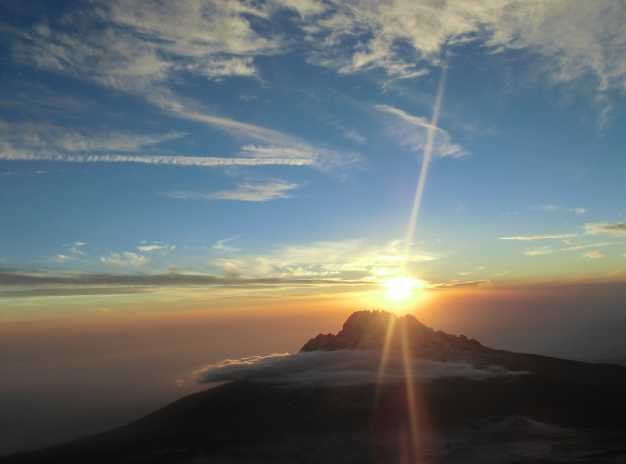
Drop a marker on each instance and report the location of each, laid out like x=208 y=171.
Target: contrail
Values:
x=168 y=160
x=428 y=153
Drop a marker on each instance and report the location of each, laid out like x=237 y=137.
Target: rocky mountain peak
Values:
x=369 y=330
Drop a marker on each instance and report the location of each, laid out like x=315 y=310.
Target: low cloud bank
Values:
x=338 y=368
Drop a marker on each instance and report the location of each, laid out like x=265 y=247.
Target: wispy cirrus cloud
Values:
x=617 y=229
x=358 y=35
x=223 y=245
x=15 y=283
x=150 y=247
x=329 y=259
x=46 y=142
x=73 y=252
x=143 y=45
x=78 y=248
x=163 y=160
x=594 y=254
x=547 y=250
x=411 y=132
x=578 y=211
x=552 y=208
x=39 y=139
x=125 y=259
x=140 y=48
x=168 y=102
x=527 y=238
x=134 y=46
x=243 y=192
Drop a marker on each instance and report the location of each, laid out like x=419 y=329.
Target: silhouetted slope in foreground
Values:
x=547 y=410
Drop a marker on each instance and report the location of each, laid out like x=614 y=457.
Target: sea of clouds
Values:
x=341 y=368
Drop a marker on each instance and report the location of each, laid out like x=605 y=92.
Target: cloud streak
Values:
x=616 y=230
x=412 y=132
x=17 y=279
x=338 y=368
x=328 y=259
x=573 y=43
x=45 y=142
x=163 y=248
x=530 y=238
x=143 y=46
x=258 y=193
x=546 y=250
x=161 y=160
x=125 y=259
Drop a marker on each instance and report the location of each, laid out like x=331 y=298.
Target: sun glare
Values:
x=402 y=288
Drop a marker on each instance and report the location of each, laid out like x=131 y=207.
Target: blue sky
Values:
x=284 y=139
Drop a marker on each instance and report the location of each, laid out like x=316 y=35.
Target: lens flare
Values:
x=428 y=153
x=402 y=288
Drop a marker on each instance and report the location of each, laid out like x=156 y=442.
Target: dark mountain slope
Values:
x=578 y=415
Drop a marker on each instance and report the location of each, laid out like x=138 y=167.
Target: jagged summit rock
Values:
x=369 y=330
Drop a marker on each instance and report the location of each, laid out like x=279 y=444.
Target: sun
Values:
x=402 y=288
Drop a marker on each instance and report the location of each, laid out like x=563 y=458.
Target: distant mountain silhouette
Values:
x=368 y=330
x=559 y=411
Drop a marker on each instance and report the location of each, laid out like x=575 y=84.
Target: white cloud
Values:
x=45 y=142
x=344 y=367
x=45 y=139
x=594 y=254
x=163 y=248
x=77 y=248
x=346 y=259
x=256 y=192
x=141 y=44
x=616 y=230
x=223 y=245
x=542 y=251
x=578 y=211
x=294 y=151
x=546 y=250
x=411 y=131
x=74 y=251
x=131 y=46
x=526 y=238
x=125 y=259
x=177 y=106
x=244 y=192
x=548 y=207
x=322 y=158
x=354 y=135
x=406 y=37
x=138 y=47
x=169 y=160
x=551 y=207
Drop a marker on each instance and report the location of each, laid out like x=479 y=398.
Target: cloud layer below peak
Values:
x=337 y=368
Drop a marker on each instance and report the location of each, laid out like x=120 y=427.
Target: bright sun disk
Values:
x=402 y=288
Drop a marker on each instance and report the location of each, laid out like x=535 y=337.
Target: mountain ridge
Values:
x=370 y=329
x=569 y=404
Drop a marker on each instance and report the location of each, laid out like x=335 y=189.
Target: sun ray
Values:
x=410 y=388
x=384 y=359
x=428 y=152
